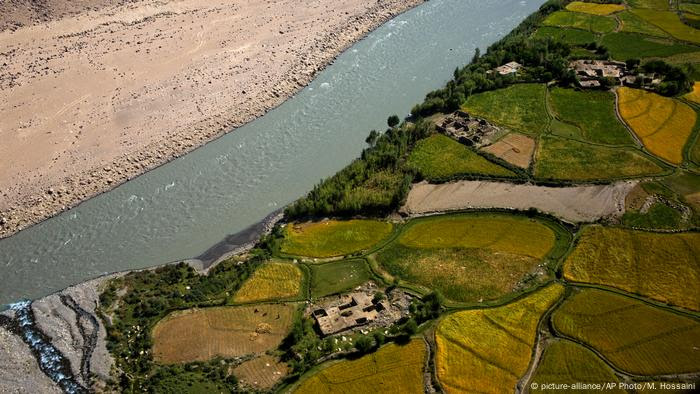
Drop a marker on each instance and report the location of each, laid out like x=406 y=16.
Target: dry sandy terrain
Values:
x=572 y=204
x=514 y=148
x=94 y=98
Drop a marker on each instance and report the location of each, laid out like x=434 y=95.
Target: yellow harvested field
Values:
x=593 y=8
x=261 y=373
x=271 y=281
x=391 y=369
x=202 y=334
x=514 y=148
x=663 y=267
x=694 y=96
x=632 y=335
x=330 y=238
x=662 y=124
x=489 y=350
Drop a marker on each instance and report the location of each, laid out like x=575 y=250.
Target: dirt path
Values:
x=573 y=204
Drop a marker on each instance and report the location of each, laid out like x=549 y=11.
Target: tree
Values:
x=393 y=121
x=364 y=344
x=372 y=137
x=477 y=55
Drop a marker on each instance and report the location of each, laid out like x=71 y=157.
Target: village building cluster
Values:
x=590 y=72
x=468 y=130
x=509 y=68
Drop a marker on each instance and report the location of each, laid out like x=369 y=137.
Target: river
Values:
x=181 y=209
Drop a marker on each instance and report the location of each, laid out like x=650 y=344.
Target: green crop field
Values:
x=440 y=157
x=468 y=257
x=691 y=7
x=338 y=276
x=635 y=337
x=659 y=216
x=392 y=369
x=569 y=36
x=660 y=266
x=623 y=46
x=669 y=22
x=560 y=158
x=652 y=4
x=596 y=119
x=567 y=362
x=333 y=238
x=518 y=107
x=631 y=23
x=271 y=281
x=488 y=350
x=593 y=23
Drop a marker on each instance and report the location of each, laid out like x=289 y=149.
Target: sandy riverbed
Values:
x=573 y=204
x=99 y=95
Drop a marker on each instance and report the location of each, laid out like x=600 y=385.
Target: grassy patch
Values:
x=593 y=112
x=488 y=350
x=518 y=107
x=594 y=8
x=669 y=22
x=271 y=281
x=338 y=276
x=635 y=337
x=331 y=238
x=560 y=158
x=564 y=362
x=623 y=46
x=659 y=216
x=631 y=23
x=663 y=124
x=202 y=334
x=663 y=267
x=391 y=369
x=577 y=20
x=569 y=36
x=440 y=157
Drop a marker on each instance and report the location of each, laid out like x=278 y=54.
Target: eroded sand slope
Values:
x=92 y=99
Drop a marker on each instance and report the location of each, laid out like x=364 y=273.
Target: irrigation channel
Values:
x=181 y=209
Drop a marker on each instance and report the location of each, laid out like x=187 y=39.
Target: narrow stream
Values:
x=183 y=208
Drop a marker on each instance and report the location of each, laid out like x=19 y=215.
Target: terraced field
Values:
x=631 y=23
x=559 y=158
x=569 y=36
x=331 y=238
x=202 y=334
x=338 y=276
x=596 y=120
x=261 y=373
x=271 y=281
x=518 y=107
x=567 y=362
x=660 y=266
x=669 y=22
x=635 y=337
x=488 y=350
x=663 y=124
x=392 y=369
x=623 y=46
x=594 y=8
x=439 y=157
x=577 y=20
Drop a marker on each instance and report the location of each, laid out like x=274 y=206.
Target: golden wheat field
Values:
x=634 y=336
x=663 y=267
x=694 y=96
x=662 y=124
x=271 y=281
x=331 y=238
x=262 y=372
x=593 y=8
x=391 y=369
x=202 y=334
x=488 y=350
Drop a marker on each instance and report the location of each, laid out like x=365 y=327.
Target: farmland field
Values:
x=468 y=257
x=518 y=107
x=635 y=337
x=628 y=259
x=333 y=238
x=623 y=46
x=271 y=281
x=669 y=22
x=391 y=369
x=691 y=7
x=694 y=96
x=593 y=8
x=488 y=350
x=567 y=362
x=593 y=23
x=569 y=36
x=663 y=124
x=658 y=216
x=596 y=119
x=440 y=157
x=262 y=372
x=652 y=4
x=514 y=148
x=338 y=276
x=202 y=334
x=560 y=158
x=631 y=23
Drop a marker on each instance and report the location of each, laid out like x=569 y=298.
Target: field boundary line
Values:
x=624 y=123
